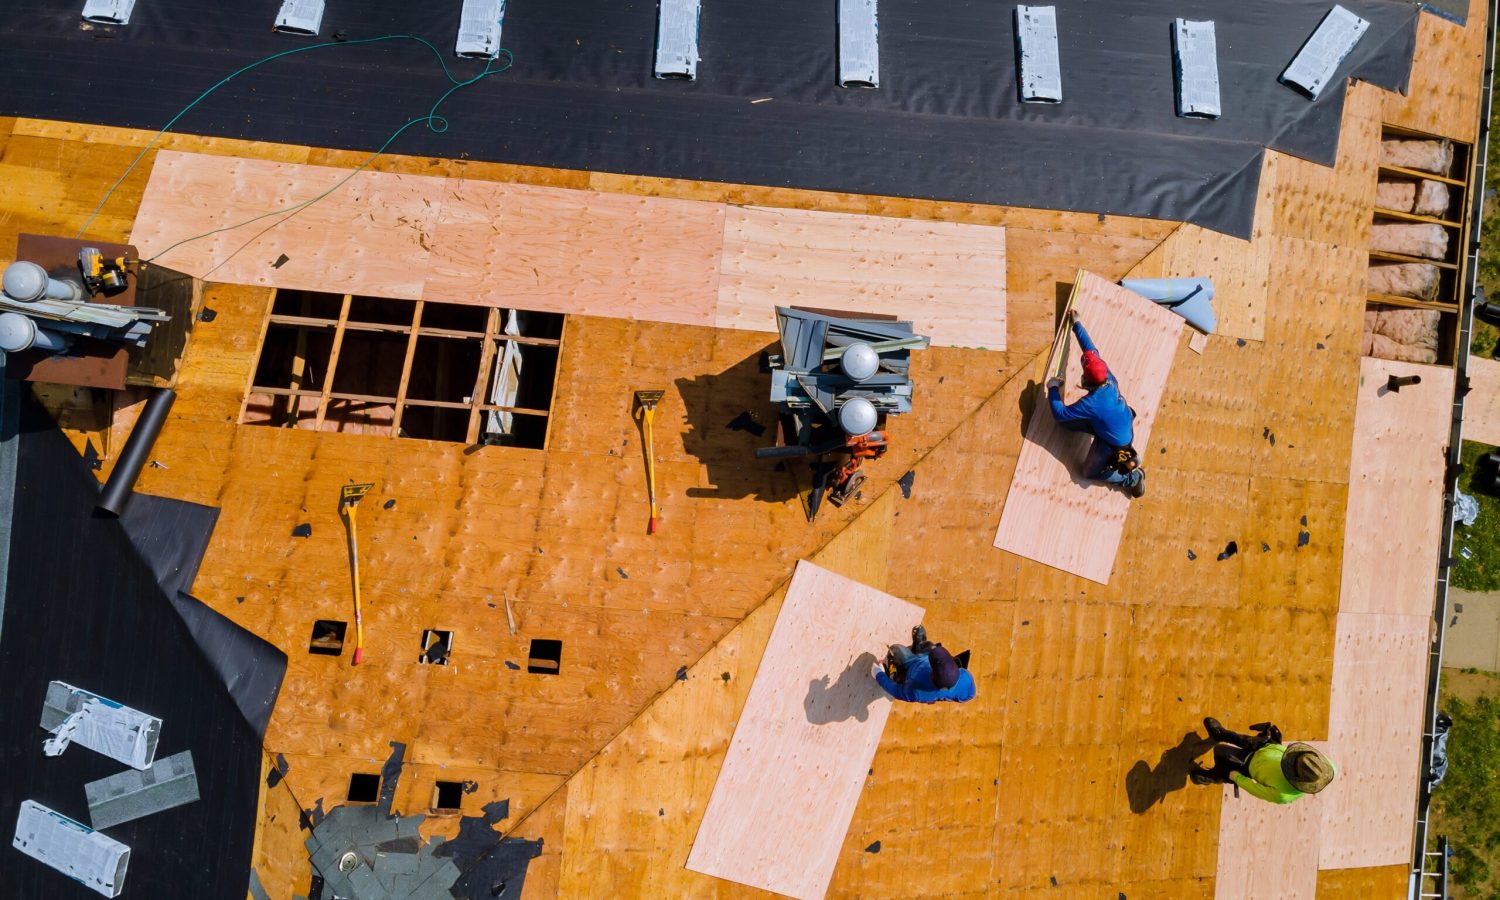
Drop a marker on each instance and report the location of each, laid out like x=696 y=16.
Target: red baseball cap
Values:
x=1095 y=372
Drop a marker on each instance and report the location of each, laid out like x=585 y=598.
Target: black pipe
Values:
x=117 y=489
x=1396 y=383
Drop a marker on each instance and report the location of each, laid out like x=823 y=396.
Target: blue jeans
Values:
x=1099 y=466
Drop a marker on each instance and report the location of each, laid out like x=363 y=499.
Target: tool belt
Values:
x=1124 y=459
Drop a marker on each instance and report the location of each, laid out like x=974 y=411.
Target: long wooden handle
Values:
x=1060 y=340
x=650 y=472
x=359 y=624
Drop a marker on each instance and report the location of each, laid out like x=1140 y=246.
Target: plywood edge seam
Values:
x=1022 y=371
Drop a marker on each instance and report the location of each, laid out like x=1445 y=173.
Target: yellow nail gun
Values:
x=101 y=274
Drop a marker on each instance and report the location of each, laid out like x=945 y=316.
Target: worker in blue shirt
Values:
x=929 y=673
x=1104 y=414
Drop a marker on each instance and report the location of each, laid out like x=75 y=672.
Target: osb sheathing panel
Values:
x=947 y=278
x=1482 y=403
x=1052 y=513
x=375 y=230
x=1268 y=851
x=1293 y=545
x=633 y=811
x=577 y=252
x=279 y=856
x=1308 y=383
x=1373 y=883
x=805 y=737
x=1393 y=534
x=544 y=825
x=1446 y=78
x=1375 y=739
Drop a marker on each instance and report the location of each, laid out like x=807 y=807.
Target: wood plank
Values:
x=1363 y=884
x=796 y=758
x=1414 y=217
x=569 y=251
x=947 y=278
x=369 y=236
x=1374 y=739
x=1388 y=256
x=1418 y=173
x=1268 y=851
x=1393 y=528
x=1443 y=90
x=1051 y=515
x=1482 y=404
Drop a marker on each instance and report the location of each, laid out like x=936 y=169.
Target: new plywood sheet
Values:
x=1268 y=851
x=370 y=235
x=1052 y=514
x=1482 y=405
x=947 y=278
x=805 y=740
x=582 y=252
x=1393 y=529
x=1375 y=739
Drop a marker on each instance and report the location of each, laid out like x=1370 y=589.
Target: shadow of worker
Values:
x=729 y=415
x=1147 y=786
x=847 y=698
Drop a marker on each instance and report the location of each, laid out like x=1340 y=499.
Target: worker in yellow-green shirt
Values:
x=1262 y=765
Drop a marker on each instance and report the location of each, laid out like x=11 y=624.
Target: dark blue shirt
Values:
x=1102 y=413
x=920 y=689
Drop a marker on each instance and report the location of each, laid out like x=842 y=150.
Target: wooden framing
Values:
x=476 y=406
x=1454 y=271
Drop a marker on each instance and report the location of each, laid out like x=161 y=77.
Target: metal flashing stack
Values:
x=808 y=381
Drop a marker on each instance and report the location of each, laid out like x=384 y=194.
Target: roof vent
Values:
x=479 y=29
x=677 y=39
x=300 y=17
x=1195 y=56
x=859 y=44
x=1036 y=44
x=108 y=12
x=1320 y=57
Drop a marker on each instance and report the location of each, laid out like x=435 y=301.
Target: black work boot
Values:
x=1200 y=775
x=1215 y=730
x=918 y=637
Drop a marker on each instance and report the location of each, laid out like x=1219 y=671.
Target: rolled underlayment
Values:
x=1429 y=241
x=1427 y=198
x=1408 y=335
x=1425 y=156
x=1418 y=281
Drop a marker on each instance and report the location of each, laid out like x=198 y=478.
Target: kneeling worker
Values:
x=1104 y=414
x=925 y=673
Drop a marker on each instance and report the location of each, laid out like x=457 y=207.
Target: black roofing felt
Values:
x=945 y=123
x=84 y=607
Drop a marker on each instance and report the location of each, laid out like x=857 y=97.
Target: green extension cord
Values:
x=435 y=123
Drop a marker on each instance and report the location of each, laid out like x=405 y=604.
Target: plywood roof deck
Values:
x=611 y=763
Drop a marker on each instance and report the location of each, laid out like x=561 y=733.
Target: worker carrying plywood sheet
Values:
x=924 y=672
x=1262 y=765
x=1104 y=414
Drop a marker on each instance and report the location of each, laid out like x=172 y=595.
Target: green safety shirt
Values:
x=1266 y=780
